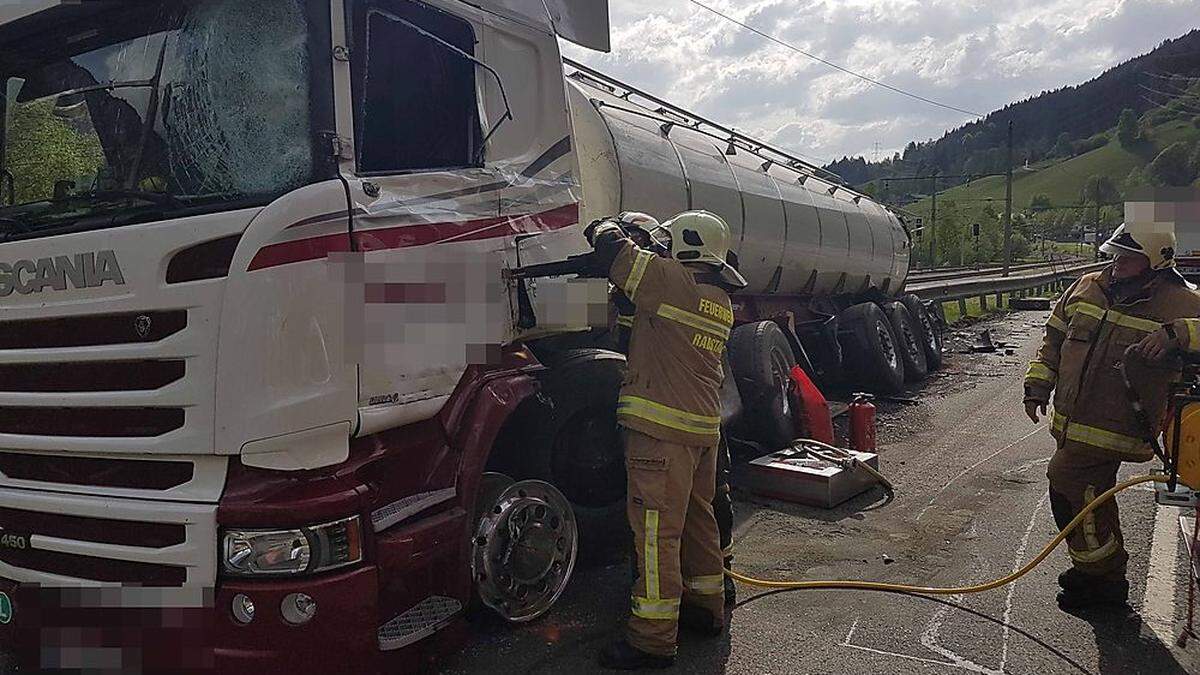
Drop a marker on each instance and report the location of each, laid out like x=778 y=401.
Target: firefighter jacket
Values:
x=1087 y=334
x=623 y=321
x=679 y=330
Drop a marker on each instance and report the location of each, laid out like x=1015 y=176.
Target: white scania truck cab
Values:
x=268 y=401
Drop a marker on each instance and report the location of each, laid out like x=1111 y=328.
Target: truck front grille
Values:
x=95 y=569
x=90 y=376
x=95 y=530
x=92 y=331
x=94 y=422
x=138 y=474
x=59 y=538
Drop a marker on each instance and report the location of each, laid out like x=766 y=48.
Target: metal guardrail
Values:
x=961 y=289
x=964 y=273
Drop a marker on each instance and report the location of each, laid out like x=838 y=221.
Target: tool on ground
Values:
x=815 y=418
x=811 y=472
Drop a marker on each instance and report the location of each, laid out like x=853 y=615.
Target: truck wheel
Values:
x=524 y=549
x=568 y=437
x=931 y=337
x=871 y=350
x=761 y=358
x=912 y=350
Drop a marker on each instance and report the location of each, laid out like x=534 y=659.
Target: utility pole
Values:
x=933 y=224
x=1008 y=178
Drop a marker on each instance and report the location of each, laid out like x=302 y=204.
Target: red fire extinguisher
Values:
x=862 y=423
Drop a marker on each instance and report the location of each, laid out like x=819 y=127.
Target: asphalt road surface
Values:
x=971 y=506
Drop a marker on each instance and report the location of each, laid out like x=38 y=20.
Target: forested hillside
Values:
x=1051 y=126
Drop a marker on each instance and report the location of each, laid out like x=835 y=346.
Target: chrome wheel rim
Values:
x=524 y=550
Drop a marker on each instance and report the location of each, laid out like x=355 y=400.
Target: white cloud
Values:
x=973 y=54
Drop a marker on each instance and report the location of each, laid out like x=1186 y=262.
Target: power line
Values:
x=833 y=65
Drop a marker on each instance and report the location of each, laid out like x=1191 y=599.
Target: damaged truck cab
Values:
x=247 y=407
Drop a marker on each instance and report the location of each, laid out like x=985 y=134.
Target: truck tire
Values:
x=870 y=350
x=912 y=350
x=761 y=359
x=568 y=436
x=931 y=337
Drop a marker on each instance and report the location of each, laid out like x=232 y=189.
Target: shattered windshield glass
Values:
x=123 y=118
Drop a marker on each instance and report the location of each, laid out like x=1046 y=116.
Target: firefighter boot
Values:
x=700 y=621
x=1074 y=580
x=730 y=586
x=1106 y=595
x=620 y=655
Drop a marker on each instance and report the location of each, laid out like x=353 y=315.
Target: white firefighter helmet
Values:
x=703 y=237
x=1157 y=245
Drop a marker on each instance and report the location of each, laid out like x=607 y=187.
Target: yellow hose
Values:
x=979 y=588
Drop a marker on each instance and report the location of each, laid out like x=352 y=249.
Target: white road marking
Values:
x=1158 y=604
x=929 y=640
x=949 y=664
x=1018 y=561
x=973 y=467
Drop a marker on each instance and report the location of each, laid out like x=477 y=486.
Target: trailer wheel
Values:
x=912 y=350
x=871 y=349
x=568 y=436
x=761 y=358
x=931 y=337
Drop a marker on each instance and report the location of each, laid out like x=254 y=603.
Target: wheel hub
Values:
x=524 y=550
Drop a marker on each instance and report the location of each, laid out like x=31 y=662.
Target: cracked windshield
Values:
x=202 y=107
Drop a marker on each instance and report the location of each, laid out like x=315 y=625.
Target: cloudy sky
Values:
x=973 y=54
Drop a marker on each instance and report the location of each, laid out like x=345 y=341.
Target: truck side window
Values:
x=415 y=100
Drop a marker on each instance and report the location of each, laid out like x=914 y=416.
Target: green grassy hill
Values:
x=982 y=201
x=1062 y=181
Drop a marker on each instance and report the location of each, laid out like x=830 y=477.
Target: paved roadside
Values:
x=970 y=506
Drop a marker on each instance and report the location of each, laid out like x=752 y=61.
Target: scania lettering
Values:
x=83 y=270
x=262 y=375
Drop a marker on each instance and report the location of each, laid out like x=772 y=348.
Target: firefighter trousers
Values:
x=671 y=489
x=1076 y=477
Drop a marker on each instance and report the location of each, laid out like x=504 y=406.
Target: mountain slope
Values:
x=1078 y=111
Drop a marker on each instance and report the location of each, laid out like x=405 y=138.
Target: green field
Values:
x=1062 y=181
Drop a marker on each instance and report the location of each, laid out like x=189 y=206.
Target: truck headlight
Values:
x=306 y=550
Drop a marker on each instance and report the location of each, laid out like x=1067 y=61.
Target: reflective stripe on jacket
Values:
x=1086 y=337
x=676 y=341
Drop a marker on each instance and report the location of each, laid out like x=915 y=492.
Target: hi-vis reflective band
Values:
x=1100 y=438
x=694 y=321
x=651 y=553
x=653 y=606
x=1113 y=316
x=667 y=416
x=1056 y=323
x=1040 y=371
x=640 y=263
x=1193 y=326
x=1089 y=521
x=710 y=584
x=1103 y=553
x=666 y=610
x=625 y=320
x=1094 y=552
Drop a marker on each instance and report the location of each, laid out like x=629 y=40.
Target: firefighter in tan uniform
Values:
x=643 y=229
x=670 y=410
x=1139 y=311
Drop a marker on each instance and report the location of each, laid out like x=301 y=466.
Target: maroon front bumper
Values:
x=52 y=629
